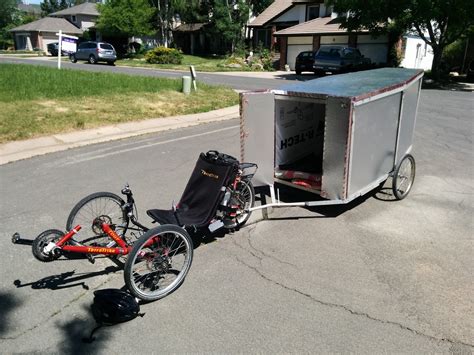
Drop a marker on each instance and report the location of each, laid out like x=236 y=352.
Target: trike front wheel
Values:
x=104 y=207
x=42 y=240
x=158 y=262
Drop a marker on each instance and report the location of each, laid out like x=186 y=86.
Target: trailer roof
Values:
x=355 y=86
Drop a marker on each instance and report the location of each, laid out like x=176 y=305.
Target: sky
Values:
x=32 y=1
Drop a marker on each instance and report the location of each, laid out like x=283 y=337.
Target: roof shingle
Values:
x=318 y=25
x=275 y=9
x=49 y=24
x=87 y=8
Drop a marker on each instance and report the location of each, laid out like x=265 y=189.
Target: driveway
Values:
x=375 y=277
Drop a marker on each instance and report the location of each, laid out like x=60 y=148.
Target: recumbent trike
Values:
x=218 y=195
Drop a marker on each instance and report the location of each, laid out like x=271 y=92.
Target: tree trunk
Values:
x=436 y=69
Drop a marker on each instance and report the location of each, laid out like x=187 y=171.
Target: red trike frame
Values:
x=122 y=249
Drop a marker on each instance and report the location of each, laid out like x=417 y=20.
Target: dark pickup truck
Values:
x=339 y=59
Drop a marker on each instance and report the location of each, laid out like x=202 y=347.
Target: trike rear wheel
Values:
x=242 y=199
x=104 y=207
x=158 y=262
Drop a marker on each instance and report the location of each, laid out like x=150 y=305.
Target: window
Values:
x=312 y=12
x=348 y=53
x=73 y=18
x=106 y=46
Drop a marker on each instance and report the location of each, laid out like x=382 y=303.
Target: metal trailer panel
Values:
x=357 y=86
x=336 y=148
x=374 y=137
x=257 y=134
x=407 y=120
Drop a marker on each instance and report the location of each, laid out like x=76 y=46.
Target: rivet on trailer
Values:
x=338 y=137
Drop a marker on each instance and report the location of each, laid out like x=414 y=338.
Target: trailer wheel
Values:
x=403 y=177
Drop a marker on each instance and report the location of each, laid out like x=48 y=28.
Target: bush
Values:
x=163 y=55
x=266 y=58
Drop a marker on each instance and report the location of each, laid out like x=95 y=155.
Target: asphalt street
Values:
x=377 y=276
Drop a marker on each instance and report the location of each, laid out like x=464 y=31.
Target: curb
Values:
x=14 y=151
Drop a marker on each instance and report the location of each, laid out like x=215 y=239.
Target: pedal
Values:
x=16 y=238
x=91 y=258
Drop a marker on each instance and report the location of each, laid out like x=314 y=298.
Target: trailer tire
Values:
x=403 y=177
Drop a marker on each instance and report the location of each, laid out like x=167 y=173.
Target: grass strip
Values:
x=39 y=101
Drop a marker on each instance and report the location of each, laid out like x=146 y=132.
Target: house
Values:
x=83 y=16
x=282 y=14
x=312 y=35
x=190 y=38
x=294 y=26
x=38 y=34
x=72 y=21
x=416 y=53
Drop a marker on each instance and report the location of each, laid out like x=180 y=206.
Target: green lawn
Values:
x=38 y=100
x=204 y=64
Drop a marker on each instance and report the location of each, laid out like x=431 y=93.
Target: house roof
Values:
x=189 y=27
x=318 y=25
x=275 y=9
x=87 y=8
x=49 y=24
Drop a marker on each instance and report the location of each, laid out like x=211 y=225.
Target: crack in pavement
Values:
x=257 y=251
x=353 y=312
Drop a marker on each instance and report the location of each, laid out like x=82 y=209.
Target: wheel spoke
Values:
x=158 y=263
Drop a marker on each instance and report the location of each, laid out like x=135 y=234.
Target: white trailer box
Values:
x=337 y=136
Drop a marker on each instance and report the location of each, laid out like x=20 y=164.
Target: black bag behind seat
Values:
x=203 y=193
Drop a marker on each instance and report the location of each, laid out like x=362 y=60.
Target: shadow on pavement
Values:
x=295 y=77
x=74 y=333
x=8 y=303
x=65 y=279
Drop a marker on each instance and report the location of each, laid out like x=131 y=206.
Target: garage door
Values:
x=50 y=38
x=294 y=50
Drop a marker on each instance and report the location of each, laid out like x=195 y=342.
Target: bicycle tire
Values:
x=244 y=195
x=404 y=177
x=152 y=252
x=43 y=240
x=104 y=205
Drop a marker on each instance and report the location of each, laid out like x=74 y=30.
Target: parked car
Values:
x=53 y=48
x=95 y=52
x=304 y=62
x=339 y=59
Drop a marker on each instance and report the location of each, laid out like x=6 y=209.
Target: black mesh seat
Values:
x=203 y=192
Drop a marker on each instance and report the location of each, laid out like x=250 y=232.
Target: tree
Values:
x=50 y=6
x=8 y=12
x=230 y=18
x=258 y=6
x=10 y=17
x=125 y=18
x=437 y=22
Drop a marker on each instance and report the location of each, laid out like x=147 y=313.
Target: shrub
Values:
x=163 y=55
x=266 y=58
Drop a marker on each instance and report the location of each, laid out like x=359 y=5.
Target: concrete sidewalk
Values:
x=19 y=150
